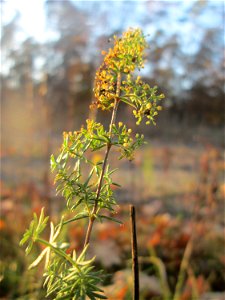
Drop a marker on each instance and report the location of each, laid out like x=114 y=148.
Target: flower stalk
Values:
x=108 y=147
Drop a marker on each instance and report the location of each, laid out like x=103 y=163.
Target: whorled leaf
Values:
x=34 y=231
x=74 y=281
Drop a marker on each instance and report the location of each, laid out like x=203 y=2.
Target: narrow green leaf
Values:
x=87 y=262
x=52 y=230
x=52 y=163
x=111 y=219
x=82 y=255
x=99 y=147
x=38 y=259
x=112 y=171
x=25 y=238
x=99 y=296
x=89 y=294
x=128 y=102
x=102 y=139
x=117 y=184
x=77 y=217
x=29 y=248
x=89 y=178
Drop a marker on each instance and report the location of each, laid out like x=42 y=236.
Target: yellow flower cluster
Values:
x=127 y=142
x=143 y=98
x=127 y=53
x=123 y=58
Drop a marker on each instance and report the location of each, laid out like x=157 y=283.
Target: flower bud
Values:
x=148 y=106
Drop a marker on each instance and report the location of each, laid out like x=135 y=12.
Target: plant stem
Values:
x=134 y=254
x=94 y=210
x=194 y=284
x=183 y=268
x=113 y=118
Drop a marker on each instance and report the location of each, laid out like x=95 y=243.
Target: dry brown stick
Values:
x=134 y=247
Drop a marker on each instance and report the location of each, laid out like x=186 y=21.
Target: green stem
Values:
x=113 y=118
x=183 y=268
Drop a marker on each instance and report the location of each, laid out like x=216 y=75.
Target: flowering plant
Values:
x=90 y=196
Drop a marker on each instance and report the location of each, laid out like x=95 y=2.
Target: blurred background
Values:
x=50 y=51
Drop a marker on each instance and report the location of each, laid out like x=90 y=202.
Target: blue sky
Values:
x=176 y=17
x=171 y=17
x=33 y=21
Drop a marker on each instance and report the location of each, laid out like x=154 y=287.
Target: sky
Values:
x=169 y=16
x=33 y=19
x=33 y=23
